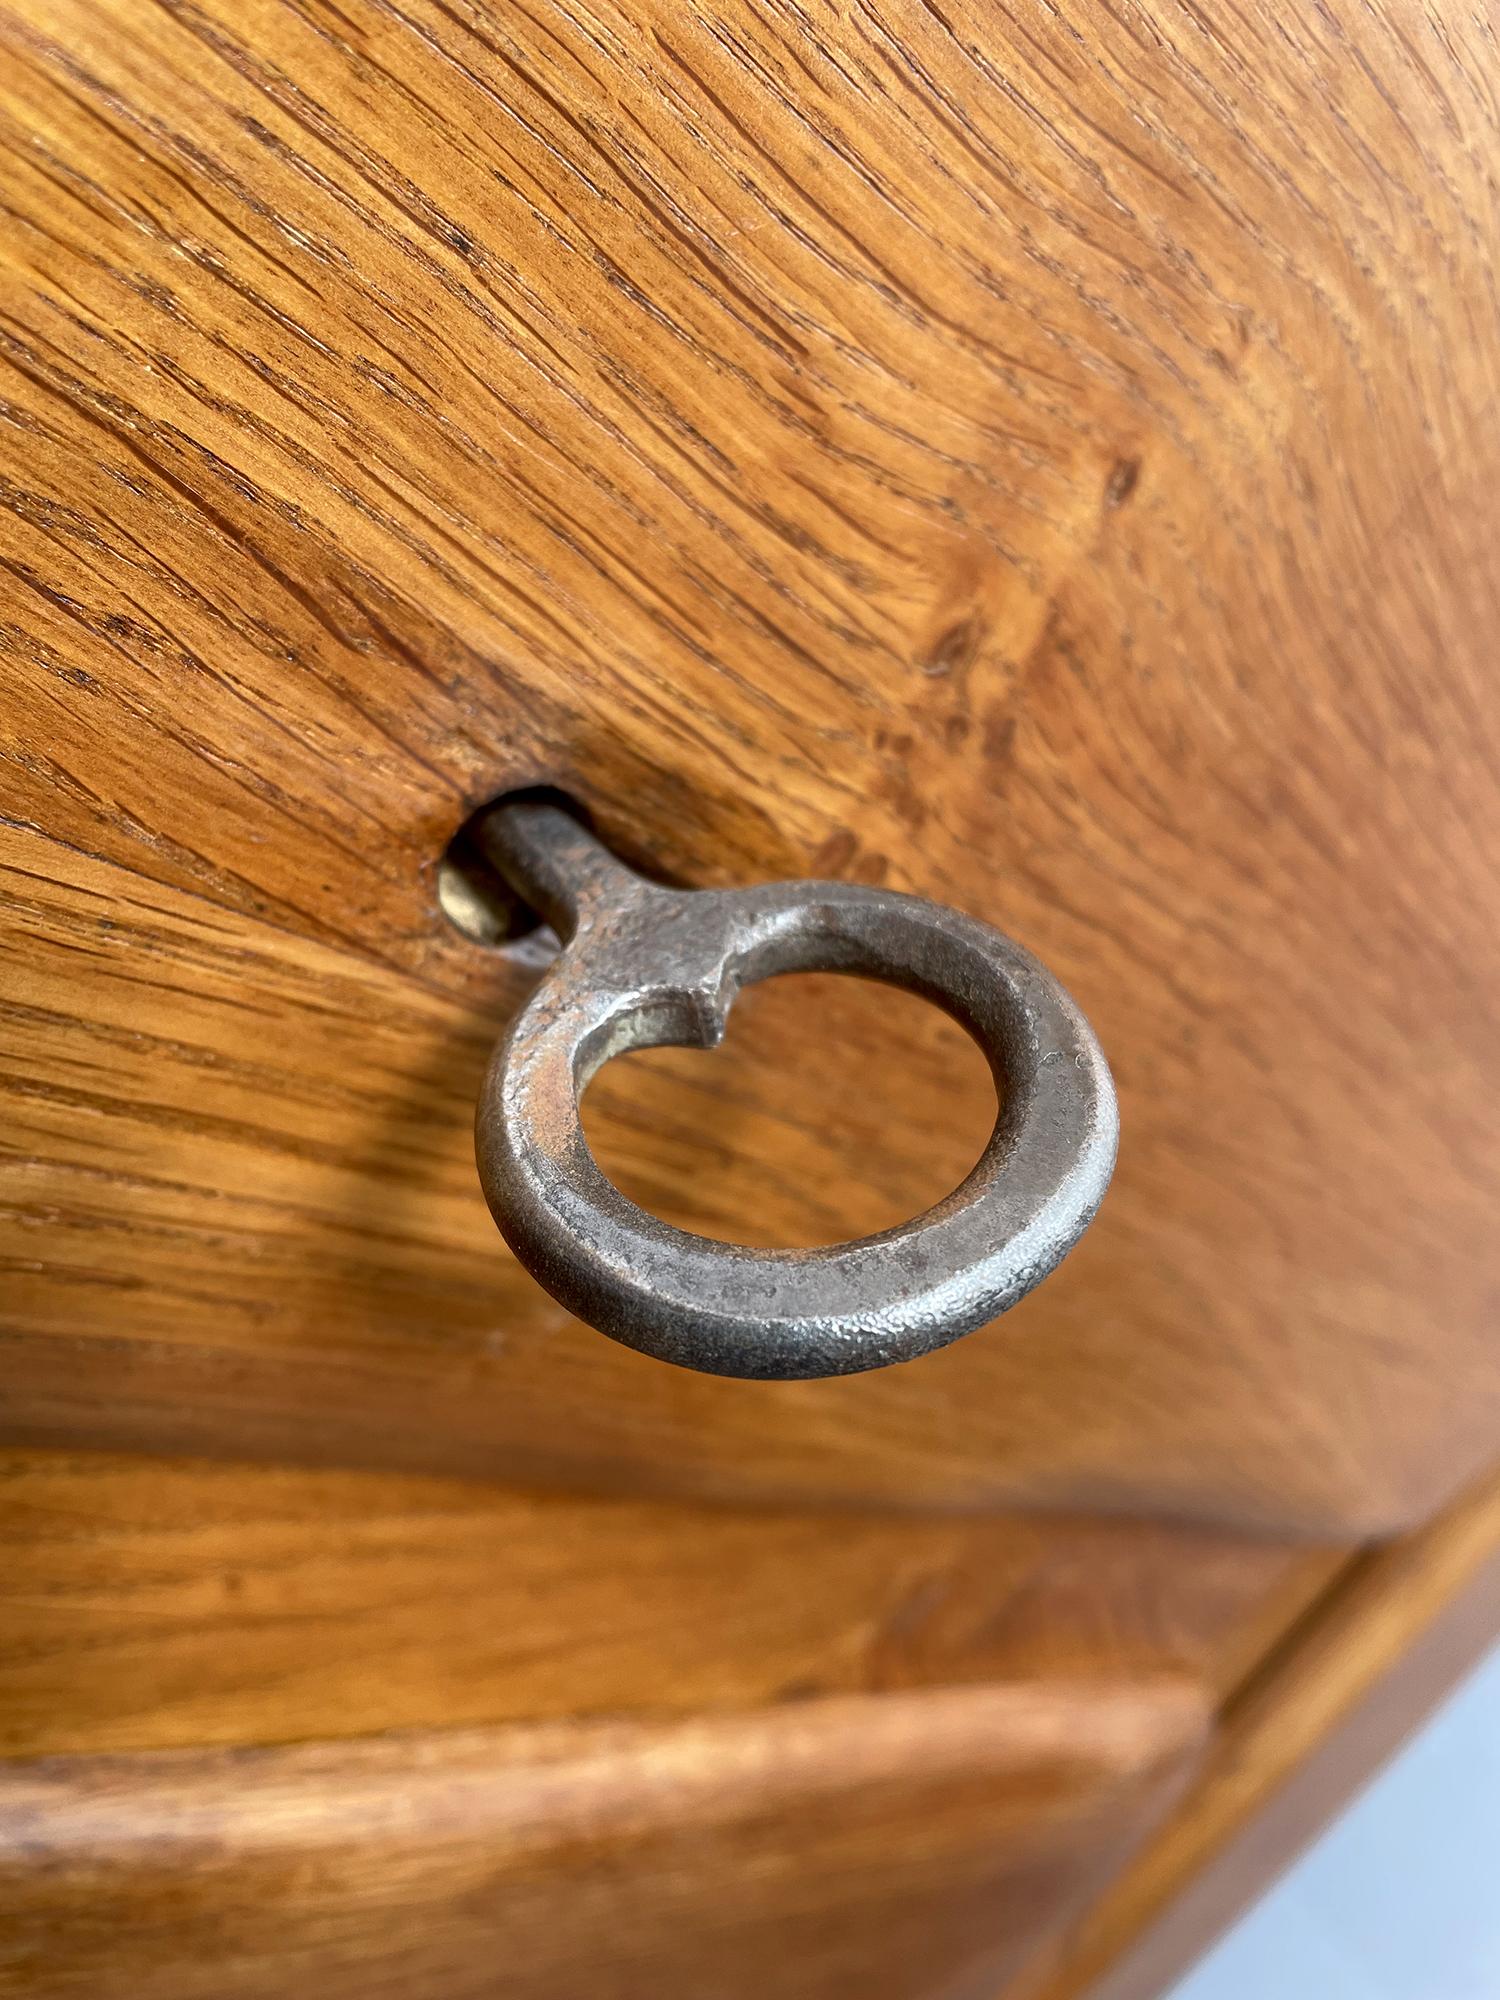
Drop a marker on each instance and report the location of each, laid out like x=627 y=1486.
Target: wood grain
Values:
x=155 y=1603
x=879 y=1848
x=1042 y=458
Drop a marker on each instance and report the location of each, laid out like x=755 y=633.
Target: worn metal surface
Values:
x=644 y=965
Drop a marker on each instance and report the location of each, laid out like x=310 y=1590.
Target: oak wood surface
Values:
x=157 y=1603
x=888 y=1847
x=1040 y=456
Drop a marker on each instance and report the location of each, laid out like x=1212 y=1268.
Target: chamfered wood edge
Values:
x=527 y=1783
x=419 y=1863
x=1308 y=1728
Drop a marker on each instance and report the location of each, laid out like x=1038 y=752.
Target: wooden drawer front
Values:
x=1042 y=465
x=159 y=1604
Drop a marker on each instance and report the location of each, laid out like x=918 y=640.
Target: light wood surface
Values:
x=1042 y=460
x=881 y=1848
x=1326 y=1709
x=150 y=1603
